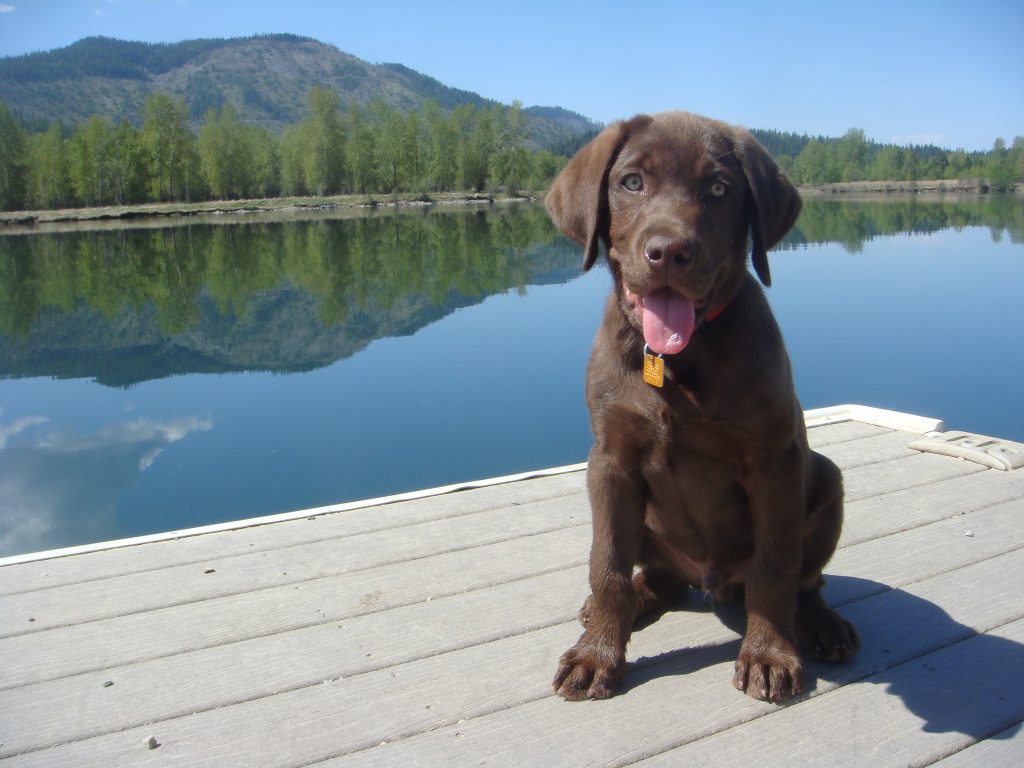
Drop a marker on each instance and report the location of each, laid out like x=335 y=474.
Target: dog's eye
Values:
x=633 y=182
x=718 y=189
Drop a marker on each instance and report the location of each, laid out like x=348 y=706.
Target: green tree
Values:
x=1000 y=172
x=391 y=153
x=957 y=163
x=511 y=161
x=1016 y=158
x=482 y=142
x=266 y=162
x=360 y=151
x=324 y=159
x=171 y=147
x=461 y=120
x=91 y=151
x=14 y=158
x=546 y=166
x=813 y=165
x=851 y=156
x=226 y=154
x=49 y=183
x=887 y=164
x=293 y=164
x=416 y=153
x=129 y=169
x=444 y=149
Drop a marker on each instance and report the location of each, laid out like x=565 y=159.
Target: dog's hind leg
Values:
x=821 y=632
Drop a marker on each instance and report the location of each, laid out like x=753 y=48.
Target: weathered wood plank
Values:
x=872 y=449
x=500 y=691
x=263 y=538
x=1004 y=750
x=139 y=637
x=238 y=574
x=229 y=674
x=841 y=432
x=924 y=551
x=874 y=516
x=919 y=471
x=217 y=677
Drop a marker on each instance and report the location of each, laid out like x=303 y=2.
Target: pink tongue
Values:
x=668 y=321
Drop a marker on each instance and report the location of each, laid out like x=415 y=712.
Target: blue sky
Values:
x=905 y=71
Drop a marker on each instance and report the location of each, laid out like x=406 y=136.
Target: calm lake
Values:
x=156 y=377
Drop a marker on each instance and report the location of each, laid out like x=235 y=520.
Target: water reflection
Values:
x=854 y=222
x=140 y=365
x=58 y=488
x=126 y=305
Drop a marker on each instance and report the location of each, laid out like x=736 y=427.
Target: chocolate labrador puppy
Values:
x=700 y=474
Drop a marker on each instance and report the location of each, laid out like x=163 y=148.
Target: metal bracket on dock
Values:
x=988 y=451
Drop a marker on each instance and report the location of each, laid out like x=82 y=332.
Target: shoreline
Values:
x=930 y=186
x=30 y=220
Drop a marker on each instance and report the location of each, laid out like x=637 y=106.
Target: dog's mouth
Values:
x=667 y=317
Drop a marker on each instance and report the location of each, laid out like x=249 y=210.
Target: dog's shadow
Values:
x=947 y=674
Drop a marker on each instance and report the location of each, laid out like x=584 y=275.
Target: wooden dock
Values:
x=425 y=631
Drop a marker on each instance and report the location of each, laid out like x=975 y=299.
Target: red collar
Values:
x=714 y=313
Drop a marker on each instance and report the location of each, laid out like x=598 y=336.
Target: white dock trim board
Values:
x=424 y=629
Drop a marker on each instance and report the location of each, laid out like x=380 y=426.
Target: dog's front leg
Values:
x=769 y=665
x=593 y=667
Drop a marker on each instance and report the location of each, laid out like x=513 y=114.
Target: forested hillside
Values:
x=266 y=79
x=105 y=122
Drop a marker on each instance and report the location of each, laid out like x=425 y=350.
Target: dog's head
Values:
x=673 y=197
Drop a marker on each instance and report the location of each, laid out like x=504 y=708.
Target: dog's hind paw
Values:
x=824 y=635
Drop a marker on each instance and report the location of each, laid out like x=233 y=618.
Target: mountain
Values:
x=266 y=78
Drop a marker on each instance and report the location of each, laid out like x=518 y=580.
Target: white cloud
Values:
x=137 y=432
x=19 y=425
x=4 y=8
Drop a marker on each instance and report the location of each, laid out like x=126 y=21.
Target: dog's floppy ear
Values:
x=776 y=201
x=578 y=198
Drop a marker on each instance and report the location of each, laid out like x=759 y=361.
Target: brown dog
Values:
x=700 y=474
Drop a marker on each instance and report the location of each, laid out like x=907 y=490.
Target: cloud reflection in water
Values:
x=58 y=488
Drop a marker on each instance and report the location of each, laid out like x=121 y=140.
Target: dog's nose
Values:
x=665 y=252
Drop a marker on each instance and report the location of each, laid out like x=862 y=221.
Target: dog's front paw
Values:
x=769 y=670
x=589 y=670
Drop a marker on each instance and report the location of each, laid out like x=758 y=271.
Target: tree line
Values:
x=378 y=149
x=371 y=149
x=853 y=157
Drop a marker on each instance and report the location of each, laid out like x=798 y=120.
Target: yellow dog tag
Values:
x=654 y=369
